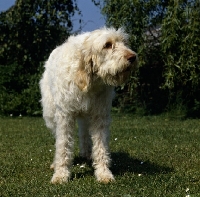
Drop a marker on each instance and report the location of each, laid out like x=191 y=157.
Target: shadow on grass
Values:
x=122 y=163
x=80 y=172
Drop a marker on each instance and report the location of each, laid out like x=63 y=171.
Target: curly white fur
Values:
x=78 y=83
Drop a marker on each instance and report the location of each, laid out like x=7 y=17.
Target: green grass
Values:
x=152 y=156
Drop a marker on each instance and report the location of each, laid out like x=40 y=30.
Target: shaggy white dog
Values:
x=78 y=83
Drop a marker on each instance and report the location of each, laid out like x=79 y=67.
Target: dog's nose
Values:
x=131 y=58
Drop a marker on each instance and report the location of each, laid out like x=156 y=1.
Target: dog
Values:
x=78 y=84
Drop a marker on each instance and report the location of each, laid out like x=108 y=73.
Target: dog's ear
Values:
x=84 y=72
x=83 y=75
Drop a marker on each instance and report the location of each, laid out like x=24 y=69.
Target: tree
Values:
x=29 y=31
x=166 y=36
x=181 y=46
x=142 y=20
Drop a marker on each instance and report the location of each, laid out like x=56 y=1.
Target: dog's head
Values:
x=105 y=55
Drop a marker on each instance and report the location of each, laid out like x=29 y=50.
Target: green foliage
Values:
x=165 y=34
x=15 y=96
x=29 y=31
x=181 y=46
x=141 y=19
x=151 y=156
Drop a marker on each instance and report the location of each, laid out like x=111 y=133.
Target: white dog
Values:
x=78 y=83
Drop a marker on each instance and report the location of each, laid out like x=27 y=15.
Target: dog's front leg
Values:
x=64 y=148
x=100 y=151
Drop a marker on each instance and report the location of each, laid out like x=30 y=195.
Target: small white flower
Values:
x=31 y=159
x=50 y=150
x=187 y=195
x=115 y=139
x=82 y=166
x=11 y=115
x=141 y=162
x=187 y=189
x=20 y=115
x=139 y=174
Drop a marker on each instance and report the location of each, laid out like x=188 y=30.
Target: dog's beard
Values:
x=118 y=78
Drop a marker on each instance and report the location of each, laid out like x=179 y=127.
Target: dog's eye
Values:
x=108 y=45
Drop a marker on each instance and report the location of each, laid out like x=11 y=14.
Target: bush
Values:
x=19 y=95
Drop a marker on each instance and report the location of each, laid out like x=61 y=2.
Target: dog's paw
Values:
x=106 y=180
x=60 y=177
x=104 y=176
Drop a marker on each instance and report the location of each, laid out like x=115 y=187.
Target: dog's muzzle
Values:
x=132 y=62
x=131 y=58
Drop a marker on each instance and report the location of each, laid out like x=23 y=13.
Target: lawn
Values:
x=152 y=156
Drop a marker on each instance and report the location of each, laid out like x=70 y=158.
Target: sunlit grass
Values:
x=152 y=156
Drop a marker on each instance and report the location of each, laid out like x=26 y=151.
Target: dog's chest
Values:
x=98 y=98
x=94 y=102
